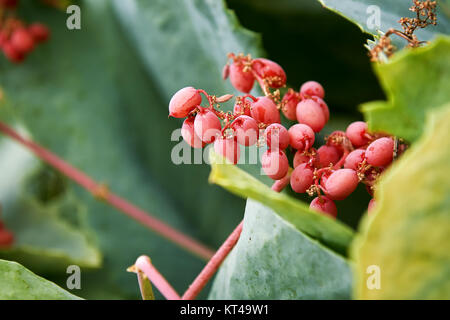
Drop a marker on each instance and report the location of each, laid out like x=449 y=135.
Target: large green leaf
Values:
x=90 y=99
x=273 y=260
x=408 y=236
x=19 y=283
x=330 y=232
x=415 y=81
x=390 y=12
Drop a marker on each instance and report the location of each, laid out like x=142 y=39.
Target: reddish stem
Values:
x=119 y=203
x=279 y=185
x=144 y=264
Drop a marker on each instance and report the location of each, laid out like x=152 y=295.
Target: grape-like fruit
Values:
x=22 y=40
x=328 y=155
x=6 y=238
x=324 y=205
x=183 y=102
x=300 y=158
x=270 y=71
x=301 y=137
x=264 y=110
x=323 y=106
x=290 y=101
x=12 y=54
x=207 y=125
x=312 y=88
x=302 y=178
x=341 y=183
x=275 y=164
x=310 y=113
x=228 y=148
x=39 y=32
x=356 y=132
x=354 y=158
x=188 y=134
x=246 y=130
x=241 y=80
x=242 y=108
x=380 y=152
x=277 y=137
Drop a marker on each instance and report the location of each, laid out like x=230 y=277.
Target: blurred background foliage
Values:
x=98 y=97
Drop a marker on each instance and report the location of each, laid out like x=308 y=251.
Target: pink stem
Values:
x=144 y=264
x=279 y=185
x=119 y=203
x=213 y=264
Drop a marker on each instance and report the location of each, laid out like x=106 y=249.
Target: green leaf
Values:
x=273 y=260
x=415 y=81
x=390 y=12
x=408 y=236
x=330 y=232
x=92 y=98
x=19 y=283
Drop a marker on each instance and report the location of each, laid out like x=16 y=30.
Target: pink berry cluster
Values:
x=17 y=39
x=330 y=172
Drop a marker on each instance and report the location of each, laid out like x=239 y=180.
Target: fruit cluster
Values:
x=17 y=39
x=330 y=172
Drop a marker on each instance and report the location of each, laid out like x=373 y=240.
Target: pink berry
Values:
x=324 y=205
x=11 y=53
x=356 y=132
x=290 y=101
x=310 y=113
x=246 y=130
x=207 y=125
x=354 y=158
x=312 y=88
x=242 y=108
x=300 y=158
x=328 y=155
x=270 y=71
x=277 y=137
x=301 y=137
x=240 y=79
x=39 y=32
x=183 y=102
x=341 y=183
x=22 y=40
x=323 y=106
x=275 y=164
x=228 y=148
x=302 y=178
x=264 y=110
x=188 y=134
x=371 y=206
x=380 y=152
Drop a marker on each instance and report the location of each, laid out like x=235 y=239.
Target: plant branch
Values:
x=100 y=191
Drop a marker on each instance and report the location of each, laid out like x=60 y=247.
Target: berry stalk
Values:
x=100 y=191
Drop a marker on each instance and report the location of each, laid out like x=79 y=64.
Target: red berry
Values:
x=290 y=101
x=3 y=38
x=328 y=155
x=22 y=40
x=310 y=113
x=207 y=125
x=301 y=137
x=12 y=54
x=356 y=132
x=300 y=158
x=312 y=88
x=302 y=178
x=277 y=137
x=264 y=110
x=324 y=205
x=270 y=71
x=183 y=102
x=188 y=134
x=228 y=148
x=275 y=164
x=246 y=130
x=240 y=79
x=380 y=152
x=323 y=106
x=39 y=32
x=354 y=158
x=242 y=108
x=6 y=238
x=341 y=183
